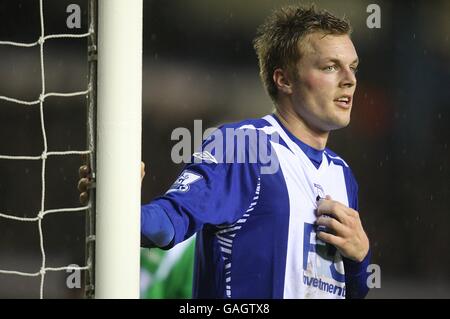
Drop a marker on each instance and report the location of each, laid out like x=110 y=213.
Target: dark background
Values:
x=199 y=64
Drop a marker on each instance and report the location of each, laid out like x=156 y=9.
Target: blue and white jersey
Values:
x=256 y=232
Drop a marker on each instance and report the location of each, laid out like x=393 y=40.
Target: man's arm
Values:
x=156 y=228
x=209 y=191
x=356 y=277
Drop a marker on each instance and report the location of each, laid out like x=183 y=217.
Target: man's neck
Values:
x=300 y=129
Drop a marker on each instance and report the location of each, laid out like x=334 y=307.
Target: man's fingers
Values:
x=84 y=198
x=84 y=171
x=142 y=170
x=332 y=224
x=332 y=208
x=84 y=184
x=330 y=239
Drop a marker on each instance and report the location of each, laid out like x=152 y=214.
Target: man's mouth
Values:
x=344 y=101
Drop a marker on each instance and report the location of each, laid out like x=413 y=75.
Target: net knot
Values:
x=40 y=215
x=44 y=155
x=41 y=40
x=42 y=271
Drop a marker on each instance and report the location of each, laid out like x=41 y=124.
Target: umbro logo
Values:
x=205 y=156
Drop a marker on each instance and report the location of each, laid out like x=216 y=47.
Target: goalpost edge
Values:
x=118 y=155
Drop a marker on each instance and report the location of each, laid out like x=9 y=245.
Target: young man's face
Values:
x=323 y=92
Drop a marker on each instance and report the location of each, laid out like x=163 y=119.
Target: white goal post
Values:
x=119 y=114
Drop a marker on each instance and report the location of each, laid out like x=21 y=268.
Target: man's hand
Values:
x=347 y=233
x=85 y=182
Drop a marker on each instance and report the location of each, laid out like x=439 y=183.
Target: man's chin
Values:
x=338 y=124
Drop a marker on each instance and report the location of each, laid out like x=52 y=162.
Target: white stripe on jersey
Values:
x=300 y=176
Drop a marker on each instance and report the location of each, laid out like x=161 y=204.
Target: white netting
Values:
x=45 y=153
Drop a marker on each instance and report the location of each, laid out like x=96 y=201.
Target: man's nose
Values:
x=348 y=78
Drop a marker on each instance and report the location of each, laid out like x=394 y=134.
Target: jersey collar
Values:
x=314 y=155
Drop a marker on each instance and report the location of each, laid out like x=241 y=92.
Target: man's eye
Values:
x=354 y=70
x=330 y=68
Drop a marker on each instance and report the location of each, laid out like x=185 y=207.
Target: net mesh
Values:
x=46 y=153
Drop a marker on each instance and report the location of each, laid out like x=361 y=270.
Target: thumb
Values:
x=142 y=170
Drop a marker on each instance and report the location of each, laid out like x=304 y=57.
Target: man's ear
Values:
x=282 y=81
